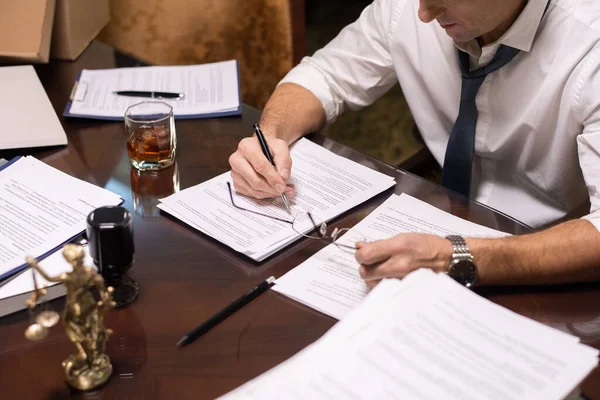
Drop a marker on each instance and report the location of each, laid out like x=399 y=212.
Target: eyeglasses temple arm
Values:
x=252 y=211
x=315 y=225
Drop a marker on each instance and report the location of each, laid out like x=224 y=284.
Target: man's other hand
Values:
x=398 y=256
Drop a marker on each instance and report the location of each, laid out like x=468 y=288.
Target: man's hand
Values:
x=291 y=112
x=254 y=176
x=400 y=255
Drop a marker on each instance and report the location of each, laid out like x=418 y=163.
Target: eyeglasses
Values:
x=297 y=223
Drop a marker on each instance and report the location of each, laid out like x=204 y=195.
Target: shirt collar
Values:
x=521 y=33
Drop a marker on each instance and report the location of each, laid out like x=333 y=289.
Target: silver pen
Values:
x=287 y=203
x=265 y=149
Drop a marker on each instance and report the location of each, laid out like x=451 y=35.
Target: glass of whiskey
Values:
x=151 y=138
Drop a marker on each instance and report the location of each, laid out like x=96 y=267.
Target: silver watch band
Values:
x=459 y=247
x=461 y=267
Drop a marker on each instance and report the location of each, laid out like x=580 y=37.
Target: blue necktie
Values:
x=458 y=162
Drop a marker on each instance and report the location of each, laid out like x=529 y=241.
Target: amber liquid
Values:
x=148 y=144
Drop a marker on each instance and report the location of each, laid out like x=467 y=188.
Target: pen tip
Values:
x=182 y=341
x=287 y=203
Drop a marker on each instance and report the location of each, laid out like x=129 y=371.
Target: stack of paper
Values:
x=42 y=208
x=327 y=185
x=211 y=90
x=427 y=337
x=329 y=281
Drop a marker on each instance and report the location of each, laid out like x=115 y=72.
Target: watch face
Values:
x=464 y=272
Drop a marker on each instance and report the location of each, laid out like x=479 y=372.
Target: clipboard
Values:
x=79 y=93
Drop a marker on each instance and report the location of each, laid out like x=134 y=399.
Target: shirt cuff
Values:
x=594 y=218
x=308 y=75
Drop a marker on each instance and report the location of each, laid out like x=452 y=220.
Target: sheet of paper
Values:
x=18 y=165
x=373 y=308
x=430 y=339
x=208 y=88
x=28 y=118
x=379 y=305
x=329 y=281
x=326 y=185
x=41 y=208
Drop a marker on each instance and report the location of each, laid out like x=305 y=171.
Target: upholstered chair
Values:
x=265 y=36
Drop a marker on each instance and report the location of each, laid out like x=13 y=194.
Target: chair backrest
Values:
x=260 y=34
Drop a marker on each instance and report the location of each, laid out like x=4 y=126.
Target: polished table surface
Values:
x=185 y=276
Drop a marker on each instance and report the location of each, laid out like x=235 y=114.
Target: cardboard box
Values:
x=76 y=24
x=25 y=30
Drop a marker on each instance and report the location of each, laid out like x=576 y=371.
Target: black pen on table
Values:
x=150 y=94
x=265 y=149
x=226 y=312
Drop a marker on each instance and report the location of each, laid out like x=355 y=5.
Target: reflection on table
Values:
x=148 y=187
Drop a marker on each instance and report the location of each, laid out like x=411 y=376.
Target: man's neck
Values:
x=501 y=29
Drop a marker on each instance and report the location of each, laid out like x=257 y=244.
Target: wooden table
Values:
x=185 y=276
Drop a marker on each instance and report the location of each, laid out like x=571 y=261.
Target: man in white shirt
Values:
x=536 y=150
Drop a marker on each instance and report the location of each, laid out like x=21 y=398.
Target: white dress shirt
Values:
x=537 y=146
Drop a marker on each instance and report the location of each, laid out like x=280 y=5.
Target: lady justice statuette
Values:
x=83 y=319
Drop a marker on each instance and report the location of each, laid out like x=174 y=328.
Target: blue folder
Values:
x=67 y=112
x=41 y=257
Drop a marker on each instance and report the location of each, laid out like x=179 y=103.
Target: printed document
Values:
x=427 y=337
x=28 y=118
x=329 y=281
x=208 y=88
x=40 y=209
x=326 y=184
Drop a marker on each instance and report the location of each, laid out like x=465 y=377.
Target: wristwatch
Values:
x=462 y=267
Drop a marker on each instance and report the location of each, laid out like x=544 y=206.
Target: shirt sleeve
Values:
x=355 y=68
x=588 y=146
x=588 y=143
